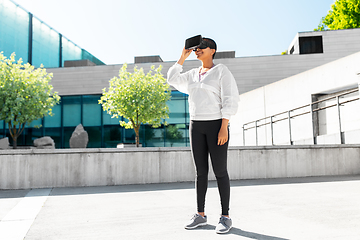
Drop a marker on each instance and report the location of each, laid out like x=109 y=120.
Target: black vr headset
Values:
x=197 y=42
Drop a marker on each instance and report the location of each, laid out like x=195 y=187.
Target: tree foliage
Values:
x=172 y=133
x=141 y=98
x=344 y=14
x=25 y=94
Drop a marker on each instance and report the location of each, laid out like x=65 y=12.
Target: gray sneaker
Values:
x=224 y=225
x=196 y=221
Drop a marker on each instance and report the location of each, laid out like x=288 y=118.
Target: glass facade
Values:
x=70 y=50
x=104 y=131
x=14 y=30
x=34 y=41
x=45 y=45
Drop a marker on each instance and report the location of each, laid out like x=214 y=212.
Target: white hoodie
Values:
x=216 y=96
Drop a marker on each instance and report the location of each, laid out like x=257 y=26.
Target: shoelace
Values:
x=222 y=221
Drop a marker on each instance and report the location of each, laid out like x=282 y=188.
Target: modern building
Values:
x=38 y=44
x=80 y=81
x=318 y=106
x=34 y=41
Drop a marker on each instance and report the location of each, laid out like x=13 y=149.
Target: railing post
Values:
x=289 y=118
x=256 y=133
x=243 y=134
x=312 y=123
x=272 y=130
x=314 y=108
x=338 y=108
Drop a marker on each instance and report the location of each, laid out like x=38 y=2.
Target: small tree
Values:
x=25 y=94
x=137 y=97
x=173 y=134
x=344 y=14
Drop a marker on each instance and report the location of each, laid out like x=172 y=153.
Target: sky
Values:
x=115 y=31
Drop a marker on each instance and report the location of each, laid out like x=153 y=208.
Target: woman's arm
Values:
x=229 y=94
x=174 y=76
x=229 y=102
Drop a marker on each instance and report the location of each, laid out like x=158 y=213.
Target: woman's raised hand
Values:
x=184 y=55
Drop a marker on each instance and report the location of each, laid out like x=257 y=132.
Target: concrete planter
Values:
x=46 y=168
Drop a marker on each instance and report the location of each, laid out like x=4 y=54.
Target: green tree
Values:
x=141 y=98
x=344 y=14
x=25 y=94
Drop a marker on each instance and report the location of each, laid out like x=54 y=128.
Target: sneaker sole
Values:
x=219 y=232
x=199 y=225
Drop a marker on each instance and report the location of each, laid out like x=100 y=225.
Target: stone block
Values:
x=79 y=138
x=44 y=143
x=4 y=143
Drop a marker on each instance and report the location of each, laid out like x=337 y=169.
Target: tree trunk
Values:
x=15 y=143
x=15 y=133
x=137 y=140
x=137 y=128
x=12 y=130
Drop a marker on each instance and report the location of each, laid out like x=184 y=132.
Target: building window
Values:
x=292 y=50
x=309 y=45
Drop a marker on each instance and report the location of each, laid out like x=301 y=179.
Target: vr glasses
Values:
x=197 y=42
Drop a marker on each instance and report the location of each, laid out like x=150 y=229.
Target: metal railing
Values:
x=272 y=119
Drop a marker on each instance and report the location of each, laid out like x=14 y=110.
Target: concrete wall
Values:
x=294 y=92
x=23 y=169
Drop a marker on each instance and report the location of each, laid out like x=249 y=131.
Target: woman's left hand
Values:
x=223 y=136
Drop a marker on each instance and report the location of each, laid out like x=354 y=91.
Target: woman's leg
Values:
x=218 y=155
x=200 y=154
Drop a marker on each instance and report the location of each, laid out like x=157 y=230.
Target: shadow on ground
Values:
x=239 y=232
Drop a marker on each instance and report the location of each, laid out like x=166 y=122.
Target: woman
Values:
x=213 y=98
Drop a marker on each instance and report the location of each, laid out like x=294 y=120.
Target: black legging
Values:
x=203 y=140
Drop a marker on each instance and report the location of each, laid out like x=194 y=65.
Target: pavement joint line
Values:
x=16 y=224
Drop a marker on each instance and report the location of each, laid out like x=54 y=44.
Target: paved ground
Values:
x=297 y=208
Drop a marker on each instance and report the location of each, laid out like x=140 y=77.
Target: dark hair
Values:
x=212 y=43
